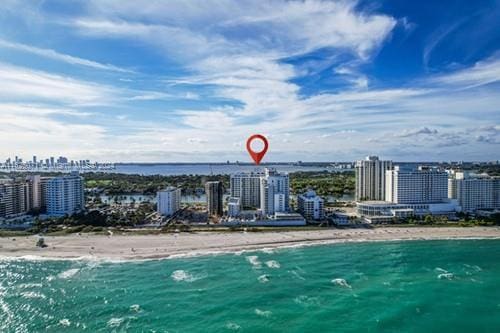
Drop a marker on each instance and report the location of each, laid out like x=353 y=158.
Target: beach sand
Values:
x=128 y=247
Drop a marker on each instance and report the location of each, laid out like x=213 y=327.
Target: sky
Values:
x=190 y=81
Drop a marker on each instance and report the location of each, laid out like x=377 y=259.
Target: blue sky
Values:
x=167 y=81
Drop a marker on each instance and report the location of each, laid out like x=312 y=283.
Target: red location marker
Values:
x=257 y=155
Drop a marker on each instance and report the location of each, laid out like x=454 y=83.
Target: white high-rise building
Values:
x=370 y=178
x=473 y=193
x=274 y=192
x=169 y=201
x=414 y=186
x=65 y=195
x=311 y=206
x=246 y=187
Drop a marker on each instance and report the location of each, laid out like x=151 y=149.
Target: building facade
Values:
x=370 y=178
x=169 y=201
x=246 y=187
x=13 y=199
x=416 y=186
x=274 y=192
x=311 y=206
x=65 y=195
x=214 y=192
x=474 y=193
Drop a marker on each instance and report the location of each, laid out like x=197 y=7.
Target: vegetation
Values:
x=324 y=183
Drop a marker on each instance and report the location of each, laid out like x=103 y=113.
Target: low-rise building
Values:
x=311 y=206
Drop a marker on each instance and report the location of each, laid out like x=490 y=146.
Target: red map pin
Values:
x=257 y=155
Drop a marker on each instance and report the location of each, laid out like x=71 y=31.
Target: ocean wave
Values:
x=33 y=294
x=446 y=276
x=68 y=273
x=182 y=275
x=273 y=264
x=254 y=260
x=263 y=278
x=115 y=322
x=263 y=313
x=267 y=250
x=341 y=282
x=64 y=322
x=233 y=326
x=135 y=308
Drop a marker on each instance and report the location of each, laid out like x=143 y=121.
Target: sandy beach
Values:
x=128 y=247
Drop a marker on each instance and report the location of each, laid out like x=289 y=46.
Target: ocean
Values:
x=410 y=286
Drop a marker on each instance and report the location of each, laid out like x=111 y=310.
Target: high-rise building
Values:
x=370 y=178
x=13 y=198
x=274 y=192
x=311 y=206
x=169 y=201
x=246 y=187
x=414 y=186
x=52 y=163
x=214 y=192
x=65 y=195
x=34 y=190
x=473 y=193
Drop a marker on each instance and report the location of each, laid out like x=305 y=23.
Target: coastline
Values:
x=164 y=246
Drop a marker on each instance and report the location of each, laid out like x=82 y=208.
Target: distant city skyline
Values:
x=185 y=81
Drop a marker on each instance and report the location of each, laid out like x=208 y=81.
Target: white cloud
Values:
x=28 y=85
x=51 y=54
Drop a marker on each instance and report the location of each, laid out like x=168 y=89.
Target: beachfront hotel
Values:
x=370 y=178
x=407 y=185
x=410 y=191
x=169 y=201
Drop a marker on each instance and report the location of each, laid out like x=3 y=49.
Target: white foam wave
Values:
x=135 y=308
x=254 y=260
x=446 y=276
x=115 y=322
x=273 y=264
x=182 y=275
x=64 y=322
x=68 y=274
x=341 y=282
x=263 y=278
x=233 y=326
x=263 y=313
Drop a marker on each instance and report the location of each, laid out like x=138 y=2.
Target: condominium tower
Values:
x=214 y=192
x=246 y=187
x=274 y=192
x=473 y=193
x=169 y=201
x=65 y=195
x=370 y=178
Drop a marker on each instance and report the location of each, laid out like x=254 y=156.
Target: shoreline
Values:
x=168 y=246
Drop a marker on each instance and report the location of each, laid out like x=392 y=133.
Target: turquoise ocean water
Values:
x=416 y=286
